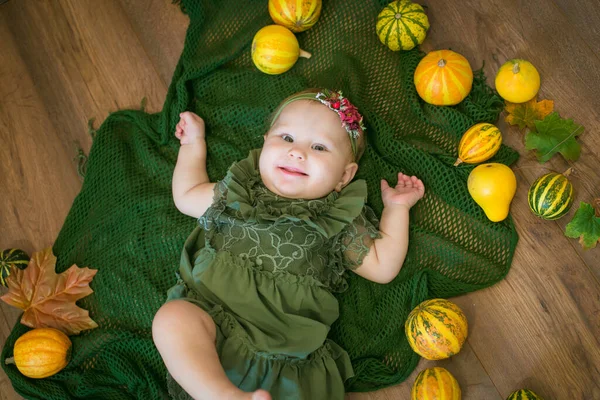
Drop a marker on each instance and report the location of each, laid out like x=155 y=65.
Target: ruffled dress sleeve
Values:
x=356 y=239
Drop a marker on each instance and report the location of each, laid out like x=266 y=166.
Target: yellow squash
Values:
x=479 y=143
x=41 y=352
x=517 y=81
x=436 y=329
x=275 y=50
x=443 y=78
x=296 y=15
x=435 y=384
x=493 y=187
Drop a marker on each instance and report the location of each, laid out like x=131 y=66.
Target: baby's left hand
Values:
x=407 y=192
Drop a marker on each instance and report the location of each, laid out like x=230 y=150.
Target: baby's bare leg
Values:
x=185 y=337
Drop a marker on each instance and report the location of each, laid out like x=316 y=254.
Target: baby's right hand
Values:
x=190 y=128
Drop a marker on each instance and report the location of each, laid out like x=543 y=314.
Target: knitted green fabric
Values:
x=124 y=223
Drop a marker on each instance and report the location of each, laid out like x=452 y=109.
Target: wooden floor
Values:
x=63 y=62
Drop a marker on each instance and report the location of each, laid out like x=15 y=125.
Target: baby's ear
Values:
x=349 y=172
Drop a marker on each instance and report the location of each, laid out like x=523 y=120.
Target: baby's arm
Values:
x=386 y=254
x=192 y=190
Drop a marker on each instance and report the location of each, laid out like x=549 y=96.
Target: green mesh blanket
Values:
x=124 y=223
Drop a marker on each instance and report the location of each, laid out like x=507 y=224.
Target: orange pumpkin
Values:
x=435 y=384
x=443 y=78
x=275 y=50
x=296 y=15
x=436 y=329
x=479 y=143
x=41 y=352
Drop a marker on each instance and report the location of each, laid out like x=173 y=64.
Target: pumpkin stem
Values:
x=458 y=161
x=305 y=54
x=596 y=205
x=516 y=68
x=568 y=172
x=10 y=360
x=441 y=63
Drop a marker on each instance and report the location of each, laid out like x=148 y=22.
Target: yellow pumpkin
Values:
x=436 y=329
x=443 y=78
x=435 y=384
x=517 y=81
x=41 y=352
x=479 y=143
x=493 y=186
x=402 y=25
x=296 y=15
x=275 y=50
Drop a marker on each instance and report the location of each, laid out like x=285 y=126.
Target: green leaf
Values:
x=585 y=225
x=554 y=135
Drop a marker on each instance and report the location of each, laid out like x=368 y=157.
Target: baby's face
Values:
x=307 y=153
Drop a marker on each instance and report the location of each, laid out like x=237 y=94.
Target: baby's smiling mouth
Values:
x=292 y=171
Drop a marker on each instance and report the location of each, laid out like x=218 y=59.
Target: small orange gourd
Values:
x=41 y=352
x=436 y=329
x=443 y=78
x=479 y=143
x=294 y=15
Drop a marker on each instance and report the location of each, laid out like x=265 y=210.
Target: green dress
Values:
x=265 y=269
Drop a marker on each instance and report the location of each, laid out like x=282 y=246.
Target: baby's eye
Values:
x=319 y=147
x=287 y=138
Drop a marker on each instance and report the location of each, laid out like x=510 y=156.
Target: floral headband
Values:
x=351 y=119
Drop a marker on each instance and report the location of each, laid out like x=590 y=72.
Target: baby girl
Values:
x=254 y=302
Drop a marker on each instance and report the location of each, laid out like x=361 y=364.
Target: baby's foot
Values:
x=261 y=395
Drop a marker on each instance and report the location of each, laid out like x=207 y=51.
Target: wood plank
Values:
x=86 y=60
x=583 y=16
x=161 y=28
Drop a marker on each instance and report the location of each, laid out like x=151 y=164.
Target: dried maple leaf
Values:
x=49 y=299
x=585 y=225
x=524 y=114
x=554 y=135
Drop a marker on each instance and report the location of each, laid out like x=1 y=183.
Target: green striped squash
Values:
x=523 y=394
x=550 y=196
x=402 y=25
x=9 y=258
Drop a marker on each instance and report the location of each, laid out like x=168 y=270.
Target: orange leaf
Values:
x=524 y=114
x=49 y=299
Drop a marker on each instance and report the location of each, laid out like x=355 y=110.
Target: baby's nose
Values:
x=297 y=153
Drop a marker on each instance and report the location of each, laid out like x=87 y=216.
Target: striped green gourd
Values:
x=551 y=196
x=9 y=258
x=523 y=394
x=402 y=25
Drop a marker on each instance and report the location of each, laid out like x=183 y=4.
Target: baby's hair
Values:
x=361 y=143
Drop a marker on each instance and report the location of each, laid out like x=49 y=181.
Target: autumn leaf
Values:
x=524 y=114
x=554 y=135
x=49 y=299
x=585 y=225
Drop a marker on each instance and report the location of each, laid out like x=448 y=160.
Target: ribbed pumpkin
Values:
x=275 y=50
x=523 y=394
x=479 y=143
x=550 y=196
x=436 y=329
x=11 y=258
x=443 y=78
x=41 y=352
x=435 y=384
x=402 y=25
x=296 y=15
